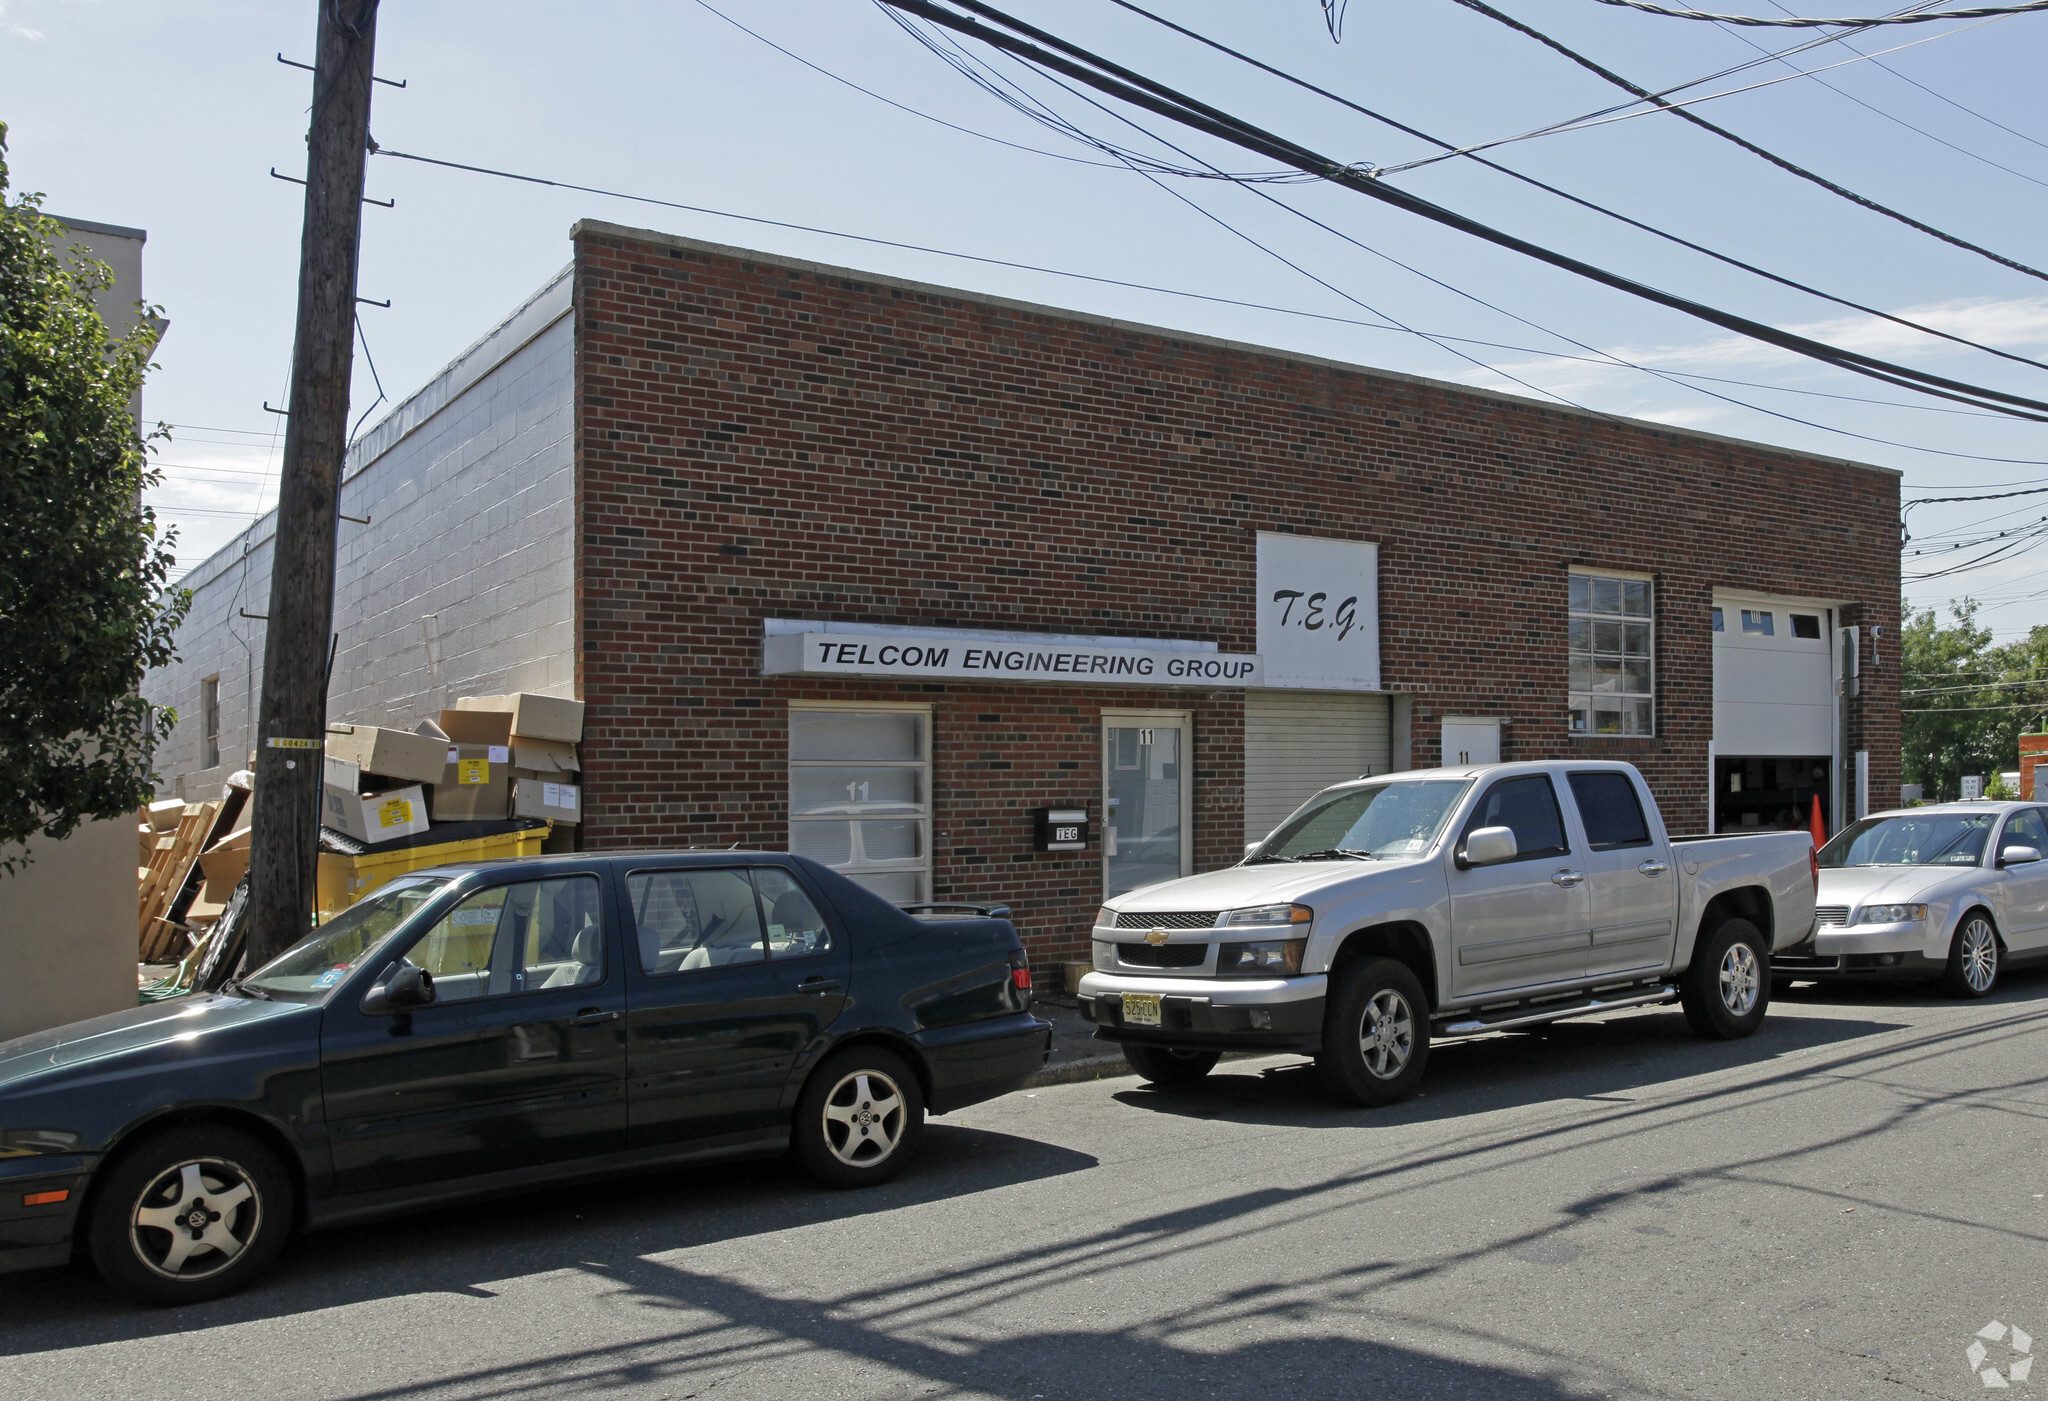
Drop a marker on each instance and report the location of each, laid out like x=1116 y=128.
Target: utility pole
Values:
x=292 y=720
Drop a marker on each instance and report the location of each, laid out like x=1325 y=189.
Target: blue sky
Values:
x=169 y=117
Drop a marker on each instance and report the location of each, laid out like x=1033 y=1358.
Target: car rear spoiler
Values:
x=985 y=911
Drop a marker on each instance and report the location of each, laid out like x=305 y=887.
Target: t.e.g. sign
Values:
x=1319 y=612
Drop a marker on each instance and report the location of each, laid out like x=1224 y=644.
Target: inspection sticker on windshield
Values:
x=1141 y=1008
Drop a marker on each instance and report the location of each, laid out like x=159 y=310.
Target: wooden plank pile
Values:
x=171 y=855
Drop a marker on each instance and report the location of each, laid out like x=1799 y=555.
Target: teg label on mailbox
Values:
x=1060 y=829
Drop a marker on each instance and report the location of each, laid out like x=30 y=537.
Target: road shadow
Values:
x=447 y=1250
x=2015 y=986
x=1606 y=1059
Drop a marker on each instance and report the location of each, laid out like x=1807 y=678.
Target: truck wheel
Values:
x=1727 y=989
x=1973 y=958
x=1170 y=1065
x=190 y=1214
x=859 y=1120
x=1375 y=1034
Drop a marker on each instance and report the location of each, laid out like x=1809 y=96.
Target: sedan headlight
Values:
x=1276 y=956
x=1265 y=914
x=1892 y=914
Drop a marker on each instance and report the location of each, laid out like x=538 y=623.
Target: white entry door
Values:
x=1147 y=798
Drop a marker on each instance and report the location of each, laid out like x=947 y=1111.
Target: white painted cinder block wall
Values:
x=462 y=583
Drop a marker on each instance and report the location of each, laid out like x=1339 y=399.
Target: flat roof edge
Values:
x=94 y=226
x=604 y=229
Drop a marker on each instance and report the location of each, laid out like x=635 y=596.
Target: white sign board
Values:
x=1973 y=787
x=941 y=654
x=1319 y=612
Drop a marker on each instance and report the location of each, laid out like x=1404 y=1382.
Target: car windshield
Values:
x=1388 y=819
x=1913 y=839
x=338 y=946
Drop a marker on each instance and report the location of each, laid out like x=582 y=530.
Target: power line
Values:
x=1058 y=55
x=1801 y=22
x=1602 y=359
x=1566 y=195
x=1481 y=7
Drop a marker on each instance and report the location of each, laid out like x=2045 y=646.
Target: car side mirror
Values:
x=1489 y=846
x=2018 y=855
x=405 y=987
x=1250 y=847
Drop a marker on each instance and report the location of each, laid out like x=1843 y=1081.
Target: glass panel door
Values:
x=1145 y=799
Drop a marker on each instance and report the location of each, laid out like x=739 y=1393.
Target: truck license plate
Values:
x=1141 y=1008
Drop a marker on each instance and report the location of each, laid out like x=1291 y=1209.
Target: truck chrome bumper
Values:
x=1277 y=1014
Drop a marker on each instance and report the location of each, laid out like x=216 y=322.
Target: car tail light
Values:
x=1021 y=977
x=1813 y=866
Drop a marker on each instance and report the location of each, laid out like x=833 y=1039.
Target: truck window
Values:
x=1528 y=808
x=1609 y=808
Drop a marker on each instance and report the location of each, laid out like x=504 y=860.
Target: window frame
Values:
x=209 y=721
x=1547 y=853
x=833 y=934
x=518 y=956
x=1590 y=616
x=926 y=820
x=1648 y=838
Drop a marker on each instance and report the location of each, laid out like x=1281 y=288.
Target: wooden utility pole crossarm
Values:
x=292 y=721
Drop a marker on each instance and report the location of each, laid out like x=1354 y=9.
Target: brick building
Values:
x=877 y=571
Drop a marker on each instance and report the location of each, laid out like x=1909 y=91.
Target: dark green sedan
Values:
x=479 y=1029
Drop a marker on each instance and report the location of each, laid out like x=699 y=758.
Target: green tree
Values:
x=84 y=604
x=1965 y=700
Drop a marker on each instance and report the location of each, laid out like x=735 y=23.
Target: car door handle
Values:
x=593 y=1016
x=1653 y=868
x=820 y=985
x=1567 y=878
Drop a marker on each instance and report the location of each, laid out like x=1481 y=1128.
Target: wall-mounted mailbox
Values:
x=1061 y=829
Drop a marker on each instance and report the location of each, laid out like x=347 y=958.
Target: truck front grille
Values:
x=1185 y=919
x=1162 y=955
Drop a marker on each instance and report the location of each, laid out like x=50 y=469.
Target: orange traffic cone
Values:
x=1818 y=827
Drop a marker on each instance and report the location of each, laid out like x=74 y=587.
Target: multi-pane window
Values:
x=209 y=723
x=860 y=796
x=1612 y=676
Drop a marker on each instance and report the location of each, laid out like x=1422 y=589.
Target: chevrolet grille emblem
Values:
x=1155 y=937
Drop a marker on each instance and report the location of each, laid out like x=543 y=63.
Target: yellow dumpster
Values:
x=346 y=879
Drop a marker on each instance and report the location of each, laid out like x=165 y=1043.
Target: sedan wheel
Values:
x=1973 y=958
x=189 y=1214
x=859 y=1118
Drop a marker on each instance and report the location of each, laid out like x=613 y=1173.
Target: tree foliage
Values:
x=1966 y=700
x=85 y=607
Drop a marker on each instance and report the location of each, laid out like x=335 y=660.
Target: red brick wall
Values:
x=758 y=440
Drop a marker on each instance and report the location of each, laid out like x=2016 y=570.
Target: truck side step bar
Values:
x=1578 y=1007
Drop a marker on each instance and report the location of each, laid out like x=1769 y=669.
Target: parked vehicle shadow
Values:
x=1572 y=1060
x=448 y=1249
x=2014 y=985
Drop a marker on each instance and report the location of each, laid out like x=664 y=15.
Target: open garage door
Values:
x=1774 y=713
x=1296 y=742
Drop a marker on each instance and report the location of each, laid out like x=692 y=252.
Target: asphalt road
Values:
x=1831 y=1209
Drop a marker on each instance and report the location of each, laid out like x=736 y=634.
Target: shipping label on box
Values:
x=533 y=716
x=536 y=797
x=391 y=753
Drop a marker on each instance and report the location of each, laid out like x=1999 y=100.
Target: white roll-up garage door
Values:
x=1296 y=742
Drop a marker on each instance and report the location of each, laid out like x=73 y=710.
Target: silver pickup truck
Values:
x=1394 y=910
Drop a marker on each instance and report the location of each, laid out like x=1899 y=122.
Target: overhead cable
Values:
x=1055 y=54
x=1575 y=199
x=1602 y=359
x=1803 y=22
x=1481 y=7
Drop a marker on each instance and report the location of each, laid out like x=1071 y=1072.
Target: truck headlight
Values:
x=1275 y=956
x=1105 y=918
x=1892 y=914
x=1266 y=914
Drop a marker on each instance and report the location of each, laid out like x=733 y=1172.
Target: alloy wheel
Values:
x=1386 y=1036
x=1979 y=954
x=195 y=1218
x=864 y=1118
x=1741 y=979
